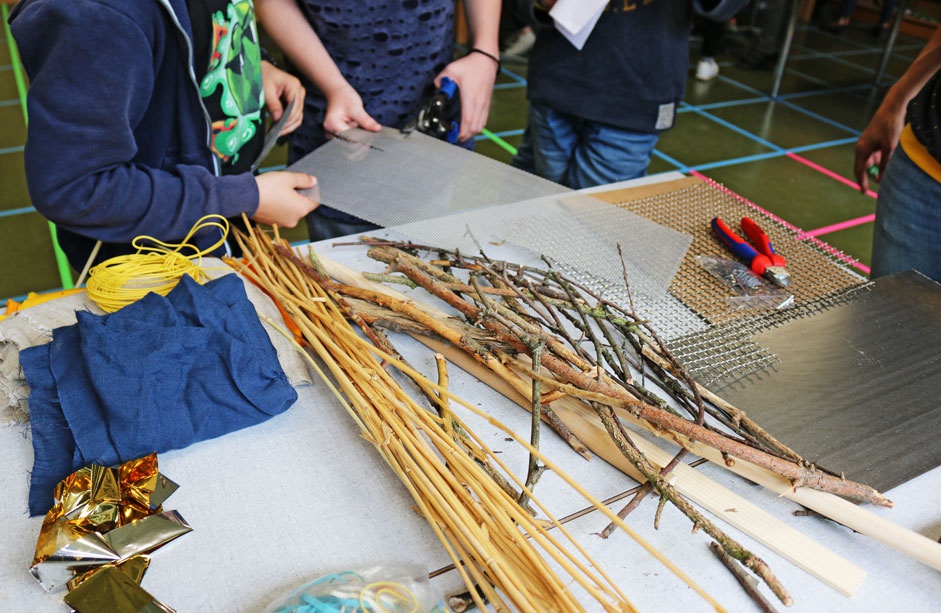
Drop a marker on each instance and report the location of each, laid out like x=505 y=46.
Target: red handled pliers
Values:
x=763 y=261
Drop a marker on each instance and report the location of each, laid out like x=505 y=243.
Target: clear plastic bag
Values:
x=377 y=589
x=751 y=290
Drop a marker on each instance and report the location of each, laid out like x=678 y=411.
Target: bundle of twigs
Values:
x=590 y=345
x=504 y=554
x=549 y=337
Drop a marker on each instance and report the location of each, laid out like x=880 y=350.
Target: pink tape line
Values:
x=801 y=235
x=843 y=225
x=827 y=172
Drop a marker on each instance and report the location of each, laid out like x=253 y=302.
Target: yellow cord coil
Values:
x=156 y=267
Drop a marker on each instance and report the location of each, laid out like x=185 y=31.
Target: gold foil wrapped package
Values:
x=114 y=588
x=102 y=521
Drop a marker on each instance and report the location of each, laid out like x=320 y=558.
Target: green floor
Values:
x=785 y=155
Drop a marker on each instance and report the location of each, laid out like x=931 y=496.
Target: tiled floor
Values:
x=792 y=156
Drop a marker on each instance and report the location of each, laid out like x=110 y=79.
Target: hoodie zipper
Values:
x=216 y=168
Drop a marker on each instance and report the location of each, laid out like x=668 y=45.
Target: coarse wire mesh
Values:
x=574 y=231
x=389 y=178
x=723 y=347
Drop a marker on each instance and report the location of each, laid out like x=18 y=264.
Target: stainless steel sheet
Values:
x=856 y=386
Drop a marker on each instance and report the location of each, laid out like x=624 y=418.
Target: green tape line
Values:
x=505 y=145
x=62 y=262
x=65 y=272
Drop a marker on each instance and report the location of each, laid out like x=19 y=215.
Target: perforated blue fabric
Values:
x=390 y=52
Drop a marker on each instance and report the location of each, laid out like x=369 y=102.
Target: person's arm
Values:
x=878 y=140
x=289 y=28
x=92 y=82
x=475 y=73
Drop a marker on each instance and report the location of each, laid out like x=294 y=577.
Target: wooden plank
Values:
x=628 y=194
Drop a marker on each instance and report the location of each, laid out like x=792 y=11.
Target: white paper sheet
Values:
x=576 y=19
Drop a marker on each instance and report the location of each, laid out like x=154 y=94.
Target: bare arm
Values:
x=475 y=73
x=878 y=140
x=289 y=28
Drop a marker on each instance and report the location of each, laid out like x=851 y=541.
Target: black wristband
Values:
x=490 y=55
x=265 y=56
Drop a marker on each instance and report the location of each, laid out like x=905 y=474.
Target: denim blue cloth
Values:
x=159 y=374
x=580 y=153
x=907 y=232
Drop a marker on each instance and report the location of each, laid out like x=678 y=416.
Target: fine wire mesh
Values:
x=389 y=178
x=575 y=231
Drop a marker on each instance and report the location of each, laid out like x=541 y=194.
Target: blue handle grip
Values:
x=734 y=242
x=448 y=87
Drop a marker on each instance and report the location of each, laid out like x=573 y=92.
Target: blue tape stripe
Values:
x=666 y=158
x=737 y=129
x=19 y=211
x=23 y=297
x=808 y=77
x=513 y=75
x=841 y=38
x=744 y=86
x=855 y=90
x=831 y=143
x=819 y=117
x=726 y=104
x=742 y=160
x=502 y=134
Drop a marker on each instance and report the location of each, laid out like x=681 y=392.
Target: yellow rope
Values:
x=156 y=267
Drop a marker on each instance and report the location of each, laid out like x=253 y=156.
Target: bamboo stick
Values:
x=470 y=525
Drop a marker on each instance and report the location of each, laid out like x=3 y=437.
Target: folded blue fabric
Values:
x=157 y=375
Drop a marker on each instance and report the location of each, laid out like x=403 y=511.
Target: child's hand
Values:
x=474 y=74
x=278 y=200
x=345 y=110
x=280 y=89
x=877 y=142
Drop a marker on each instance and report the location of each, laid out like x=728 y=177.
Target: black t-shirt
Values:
x=924 y=115
x=227 y=62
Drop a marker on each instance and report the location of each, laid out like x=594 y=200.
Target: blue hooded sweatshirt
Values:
x=118 y=138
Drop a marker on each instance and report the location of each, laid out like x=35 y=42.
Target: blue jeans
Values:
x=907 y=231
x=579 y=153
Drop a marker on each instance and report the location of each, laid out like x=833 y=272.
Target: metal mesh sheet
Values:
x=724 y=347
x=575 y=231
x=855 y=385
x=690 y=208
x=847 y=377
x=389 y=178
